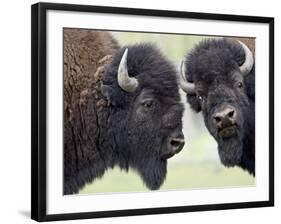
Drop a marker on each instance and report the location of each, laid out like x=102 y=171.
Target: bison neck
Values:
x=248 y=157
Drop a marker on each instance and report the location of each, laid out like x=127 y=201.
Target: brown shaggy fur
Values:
x=105 y=126
x=86 y=52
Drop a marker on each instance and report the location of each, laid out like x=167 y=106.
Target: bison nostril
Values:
x=177 y=144
x=230 y=114
x=224 y=115
x=217 y=119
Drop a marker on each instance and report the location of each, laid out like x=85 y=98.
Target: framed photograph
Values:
x=139 y=111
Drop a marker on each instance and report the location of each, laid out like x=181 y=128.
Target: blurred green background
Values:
x=198 y=164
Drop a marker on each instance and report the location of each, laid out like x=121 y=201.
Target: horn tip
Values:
x=126 y=51
x=182 y=70
x=182 y=63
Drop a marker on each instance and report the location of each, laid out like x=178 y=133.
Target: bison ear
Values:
x=194 y=102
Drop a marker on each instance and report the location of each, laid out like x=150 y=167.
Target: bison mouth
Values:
x=173 y=152
x=228 y=132
x=167 y=156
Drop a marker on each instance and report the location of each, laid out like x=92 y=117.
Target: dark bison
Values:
x=218 y=76
x=121 y=108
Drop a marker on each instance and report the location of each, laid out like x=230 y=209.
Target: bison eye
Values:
x=240 y=85
x=199 y=97
x=147 y=104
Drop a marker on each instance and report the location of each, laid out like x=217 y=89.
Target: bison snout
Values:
x=175 y=145
x=225 y=117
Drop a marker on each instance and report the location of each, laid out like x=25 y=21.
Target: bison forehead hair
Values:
x=212 y=58
x=151 y=68
x=226 y=96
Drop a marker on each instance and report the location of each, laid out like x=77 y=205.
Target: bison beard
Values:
x=147 y=158
x=155 y=178
x=107 y=124
x=153 y=172
x=230 y=150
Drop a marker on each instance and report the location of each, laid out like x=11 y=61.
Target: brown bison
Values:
x=121 y=108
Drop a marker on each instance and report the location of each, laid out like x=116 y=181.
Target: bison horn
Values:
x=247 y=66
x=129 y=84
x=186 y=86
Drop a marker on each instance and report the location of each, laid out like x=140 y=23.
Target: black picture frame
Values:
x=39 y=122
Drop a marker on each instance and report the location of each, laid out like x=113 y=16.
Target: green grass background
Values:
x=198 y=165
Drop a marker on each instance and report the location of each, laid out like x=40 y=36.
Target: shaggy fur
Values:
x=213 y=66
x=107 y=127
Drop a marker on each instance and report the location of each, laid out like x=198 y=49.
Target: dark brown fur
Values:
x=86 y=54
x=213 y=66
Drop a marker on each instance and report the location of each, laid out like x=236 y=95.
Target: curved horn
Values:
x=186 y=86
x=128 y=84
x=247 y=66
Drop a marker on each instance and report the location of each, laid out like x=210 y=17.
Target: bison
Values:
x=121 y=108
x=218 y=76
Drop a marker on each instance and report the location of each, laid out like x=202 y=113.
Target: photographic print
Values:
x=121 y=138
x=138 y=111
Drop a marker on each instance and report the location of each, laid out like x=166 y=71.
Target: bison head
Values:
x=216 y=80
x=141 y=86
